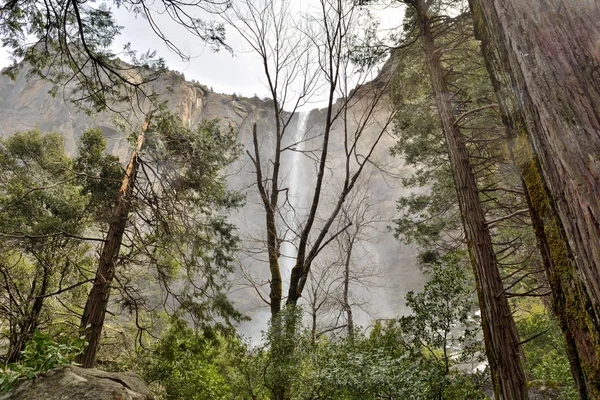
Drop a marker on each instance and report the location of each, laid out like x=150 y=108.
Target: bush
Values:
x=185 y=364
x=41 y=353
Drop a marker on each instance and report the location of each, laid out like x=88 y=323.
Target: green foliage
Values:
x=41 y=353
x=287 y=344
x=545 y=358
x=43 y=211
x=443 y=314
x=35 y=198
x=187 y=364
x=70 y=41
x=424 y=217
x=369 y=367
x=444 y=329
x=393 y=360
x=179 y=245
x=186 y=236
x=99 y=174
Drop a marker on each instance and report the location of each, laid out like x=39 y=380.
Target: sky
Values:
x=239 y=72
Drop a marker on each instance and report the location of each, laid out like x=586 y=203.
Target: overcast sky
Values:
x=225 y=72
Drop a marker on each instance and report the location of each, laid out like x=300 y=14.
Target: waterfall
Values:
x=295 y=196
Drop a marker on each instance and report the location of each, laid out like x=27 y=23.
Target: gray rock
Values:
x=25 y=103
x=69 y=382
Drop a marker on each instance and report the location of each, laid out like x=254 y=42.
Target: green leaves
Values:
x=98 y=173
x=182 y=200
x=41 y=353
x=545 y=359
x=443 y=323
x=38 y=196
x=186 y=364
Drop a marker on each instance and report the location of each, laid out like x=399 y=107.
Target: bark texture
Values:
x=541 y=56
x=551 y=50
x=500 y=332
x=92 y=320
x=570 y=303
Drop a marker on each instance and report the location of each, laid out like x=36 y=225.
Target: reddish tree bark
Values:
x=499 y=329
x=551 y=50
x=544 y=60
x=92 y=320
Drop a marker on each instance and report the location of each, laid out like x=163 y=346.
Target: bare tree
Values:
x=339 y=282
x=285 y=55
x=303 y=59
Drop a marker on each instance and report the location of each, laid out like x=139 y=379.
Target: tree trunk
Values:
x=92 y=320
x=345 y=299
x=541 y=65
x=551 y=51
x=500 y=333
x=270 y=206
x=569 y=302
x=24 y=329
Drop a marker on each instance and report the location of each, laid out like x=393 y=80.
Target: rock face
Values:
x=25 y=103
x=69 y=382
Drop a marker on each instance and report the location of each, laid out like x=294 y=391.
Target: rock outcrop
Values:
x=69 y=382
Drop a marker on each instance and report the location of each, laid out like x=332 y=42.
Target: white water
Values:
x=295 y=209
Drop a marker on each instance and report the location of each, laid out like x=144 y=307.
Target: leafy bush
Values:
x=41 y=353
x=546 y=360
x=185 y=363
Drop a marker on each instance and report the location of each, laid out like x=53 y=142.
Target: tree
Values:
x=340 y=282
x=47 y=202
x=552 y=125
x=499 y=187
x=443 y=325
x=499 y=329
x=167 y=213
x=70 y=41
x=92 y=320
x=185 y=362
x=293 y=79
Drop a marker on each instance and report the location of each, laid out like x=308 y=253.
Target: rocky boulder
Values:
x=69 y=382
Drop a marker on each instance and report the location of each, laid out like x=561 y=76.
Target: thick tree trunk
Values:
x=500 y=332
x=551 y=50
x=569 y=300
x=92 y=320
x=541 y=65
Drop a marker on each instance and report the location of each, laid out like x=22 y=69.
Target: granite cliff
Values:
x=26 y=103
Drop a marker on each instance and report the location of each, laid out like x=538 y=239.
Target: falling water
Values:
x=295 y=195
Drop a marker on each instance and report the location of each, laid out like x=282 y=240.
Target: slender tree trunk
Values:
x=92 y=320
x=313 y=330
x=270 y=205
x=27 y=327
x=500 y=332
x=345 y=299
x=550 y=50
x=525 y=101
